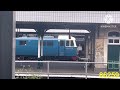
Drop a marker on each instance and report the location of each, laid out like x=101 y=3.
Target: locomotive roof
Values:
x=63 y=37
x=66 y=37
x=35 y=38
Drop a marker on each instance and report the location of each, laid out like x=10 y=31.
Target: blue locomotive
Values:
x=60 y=48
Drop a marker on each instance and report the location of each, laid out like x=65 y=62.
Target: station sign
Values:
x=108 y=26
x=80 y=39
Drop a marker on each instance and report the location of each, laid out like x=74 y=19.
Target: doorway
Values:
x=114 y=57
x=113 y=51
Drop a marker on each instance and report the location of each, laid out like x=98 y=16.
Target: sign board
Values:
x=108 y=26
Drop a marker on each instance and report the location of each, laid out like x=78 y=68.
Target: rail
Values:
x=64 y=74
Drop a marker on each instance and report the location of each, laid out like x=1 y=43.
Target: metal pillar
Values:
x=69 y=34
x=39 y=47
x=7 y=44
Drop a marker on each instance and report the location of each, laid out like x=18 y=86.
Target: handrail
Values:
x=48 y=64
x=71 y=62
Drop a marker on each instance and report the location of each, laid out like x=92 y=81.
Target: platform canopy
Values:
x=44 y=26
x=44 y=20
x=54 y=31
x=65 y=31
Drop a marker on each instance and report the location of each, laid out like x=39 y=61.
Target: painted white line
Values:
x=59 y=75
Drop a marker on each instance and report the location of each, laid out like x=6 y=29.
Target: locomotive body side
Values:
x=50 y=47
x=53 y=48
x=26 y=46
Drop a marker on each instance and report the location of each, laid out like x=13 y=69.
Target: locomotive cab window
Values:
x=23 y=43
x=72 y=44
x=69 y=43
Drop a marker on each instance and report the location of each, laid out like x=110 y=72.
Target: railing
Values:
x=86 y=64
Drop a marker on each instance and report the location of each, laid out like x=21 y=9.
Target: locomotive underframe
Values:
x=54 y=58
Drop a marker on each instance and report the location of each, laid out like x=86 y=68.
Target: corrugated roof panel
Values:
x=67 y=16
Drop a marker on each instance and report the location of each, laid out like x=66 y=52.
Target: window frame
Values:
x=24 y=44
x=70 y=44
x=113 y=38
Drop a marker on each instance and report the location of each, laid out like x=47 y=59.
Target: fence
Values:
x=43 y=68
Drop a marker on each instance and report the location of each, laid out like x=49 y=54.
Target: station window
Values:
x=49 y=43
x=114 y=37
x=23 y=43
x=62 y=43
x=110 y=40
x=113 y=34
x=116 y=41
